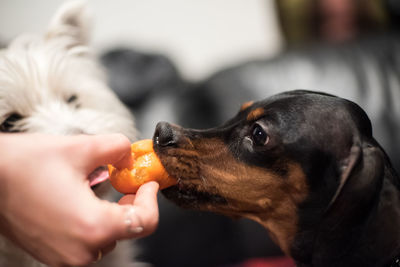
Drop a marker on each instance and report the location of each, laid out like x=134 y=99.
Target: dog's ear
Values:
x=71 y=21
x=361 y=174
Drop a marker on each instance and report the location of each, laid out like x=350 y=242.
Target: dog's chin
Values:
x=191 y=191
x=190 y=197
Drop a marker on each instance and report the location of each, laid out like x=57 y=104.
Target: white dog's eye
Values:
x=72 y=99
x=8 y=124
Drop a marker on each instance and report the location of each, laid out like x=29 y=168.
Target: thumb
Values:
x=136 y=215
x=107 y=149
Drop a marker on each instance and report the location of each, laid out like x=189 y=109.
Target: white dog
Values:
x=52 y=84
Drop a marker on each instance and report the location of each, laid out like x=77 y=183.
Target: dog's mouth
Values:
x=98 y=176
x=191 y=191
x=188 y=196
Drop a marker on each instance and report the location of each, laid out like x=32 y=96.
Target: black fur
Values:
x=351 y=216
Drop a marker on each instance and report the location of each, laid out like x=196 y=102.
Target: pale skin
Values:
x=47 y=207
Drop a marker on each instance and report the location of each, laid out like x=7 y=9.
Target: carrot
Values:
x=146 y=167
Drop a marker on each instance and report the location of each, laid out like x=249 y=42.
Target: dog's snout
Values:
x=164 y=134
x=75 y=131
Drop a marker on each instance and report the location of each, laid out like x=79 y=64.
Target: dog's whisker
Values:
x=203 y=180
x=234 y=147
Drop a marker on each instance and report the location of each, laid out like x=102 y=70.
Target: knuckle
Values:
x=90 y=231
x=83 y=259
x=151 y=221
x=122 y=138
x=122 y=141
x=78 y=144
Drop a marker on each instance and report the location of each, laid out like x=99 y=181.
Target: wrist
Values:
x=10 y=149
x=4 y=144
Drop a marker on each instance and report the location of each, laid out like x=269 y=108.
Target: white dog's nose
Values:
x=75 y=131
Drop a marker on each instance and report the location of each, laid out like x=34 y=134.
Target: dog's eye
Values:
x=72 y=99
x=7 y=125
x=259 y=136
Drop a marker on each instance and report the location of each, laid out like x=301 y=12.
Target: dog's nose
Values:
x=164 y=134
x=75 y=131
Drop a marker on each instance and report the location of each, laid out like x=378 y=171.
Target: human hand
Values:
x=46 y=204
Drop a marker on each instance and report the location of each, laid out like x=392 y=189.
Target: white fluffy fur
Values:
x=38 y=74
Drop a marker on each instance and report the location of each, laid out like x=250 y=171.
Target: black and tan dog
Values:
x=304 y=165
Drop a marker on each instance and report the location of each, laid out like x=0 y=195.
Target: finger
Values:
x=146 y=205
x=125 y=162
x=121 y=220
x=127 y=199
x=146 y=197
x=107 y=149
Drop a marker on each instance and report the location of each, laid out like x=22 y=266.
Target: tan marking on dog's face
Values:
x=246 y=105
x=255 y=114
x=253 y=192
x=282 y=220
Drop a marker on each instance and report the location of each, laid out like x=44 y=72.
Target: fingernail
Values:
x=136 y=230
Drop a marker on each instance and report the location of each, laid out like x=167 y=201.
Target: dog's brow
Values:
x=255 y=114
x=246 y=105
